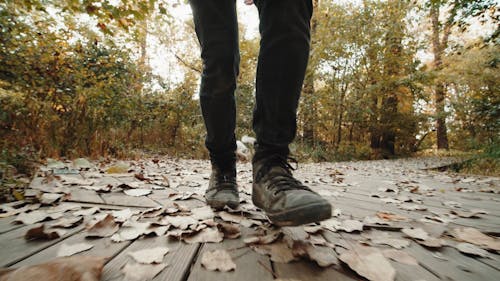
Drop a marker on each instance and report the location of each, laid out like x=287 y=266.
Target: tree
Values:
x=459 y=11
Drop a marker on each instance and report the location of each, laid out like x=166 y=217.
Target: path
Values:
x=364 y=191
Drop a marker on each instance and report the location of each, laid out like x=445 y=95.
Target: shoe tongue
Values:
x=279 y=170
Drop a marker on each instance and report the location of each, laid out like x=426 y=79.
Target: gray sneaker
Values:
x=222 y=189
x=286 y=201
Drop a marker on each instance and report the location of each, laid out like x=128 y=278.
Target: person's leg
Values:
x=217 y=31
x=284 y=51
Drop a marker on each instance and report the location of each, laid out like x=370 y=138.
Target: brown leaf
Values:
x=202 y=213
x=391 y=217
x=474 y=236
x=37 y=216
x=323 y=256
x=472 y=249
x=383 y=238
x=263 y=239
x=130 y=231
x=61 y=269
x=39 y=233
x=180 y=196
x=182 y=222
x=137 y=192
x=351 y=225
x=152 y=212
x=141 y=272
x=123 y=215
x=148 y=256
x=67 y=222
x=431 y=242
x=246 y=222
x=400 y=256
x=231 y=231
x=369 y=263
x=86 y=212
x=102 y=228
x=49 y=198
x=68 y=250
x=207 y=235
x=278 y=251
x=415 y=233
x=468 y=214
x=217 y=260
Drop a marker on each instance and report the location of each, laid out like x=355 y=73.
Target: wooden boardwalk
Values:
x=358 y=190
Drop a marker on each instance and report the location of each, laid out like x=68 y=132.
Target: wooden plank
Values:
x=249 y=264
x=455 y=267
x=15 y=247
x=179 y=258
x=103 y=247
x=492 y=223
x=404 y=272
x=6 y=224
x=470 y=202
x=120 y=199
x=361 y=206
x=305 y=270
x=83 y=195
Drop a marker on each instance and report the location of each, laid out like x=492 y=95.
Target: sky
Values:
x=165 y=64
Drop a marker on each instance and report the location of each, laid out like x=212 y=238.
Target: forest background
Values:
x=119 y=78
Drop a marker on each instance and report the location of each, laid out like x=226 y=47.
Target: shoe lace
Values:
x=225 y=178
x=281 y=181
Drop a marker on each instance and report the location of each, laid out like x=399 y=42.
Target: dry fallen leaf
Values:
x=384 y=238
x=206 y=235
x=415 y=233
x=182 y=222
x=217 y=260
x=37 y=216
x=351 y=225
x=49 y=198
x=202 y=213
x=137 y=192
x=400 y=256
x=152 y=212
x=141 y=272
x=278 y=251
x=86 y=212
x=468 y=214
x=67 y=222
x=123 y=215
x=431 y=242
x=82 y=268
x=246 y=222
x=391 y=217
x=472 y=249
x=231 y=231
x=40 y=233
x=68 y=250
x=331 y=224
x=148 y=256
x=323 y=256
x=263 y=239
x=474 y=236
x=102 y=228
x=130 y=231
x=369 y=263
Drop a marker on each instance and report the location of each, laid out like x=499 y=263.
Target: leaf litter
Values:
x=219 y=260
x=197 y=225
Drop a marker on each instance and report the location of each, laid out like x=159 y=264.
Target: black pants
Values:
x=284 y=50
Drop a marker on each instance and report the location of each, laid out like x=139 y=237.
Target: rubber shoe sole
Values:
x=306 y=214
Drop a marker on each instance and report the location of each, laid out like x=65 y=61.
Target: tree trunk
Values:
x=438 y=47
